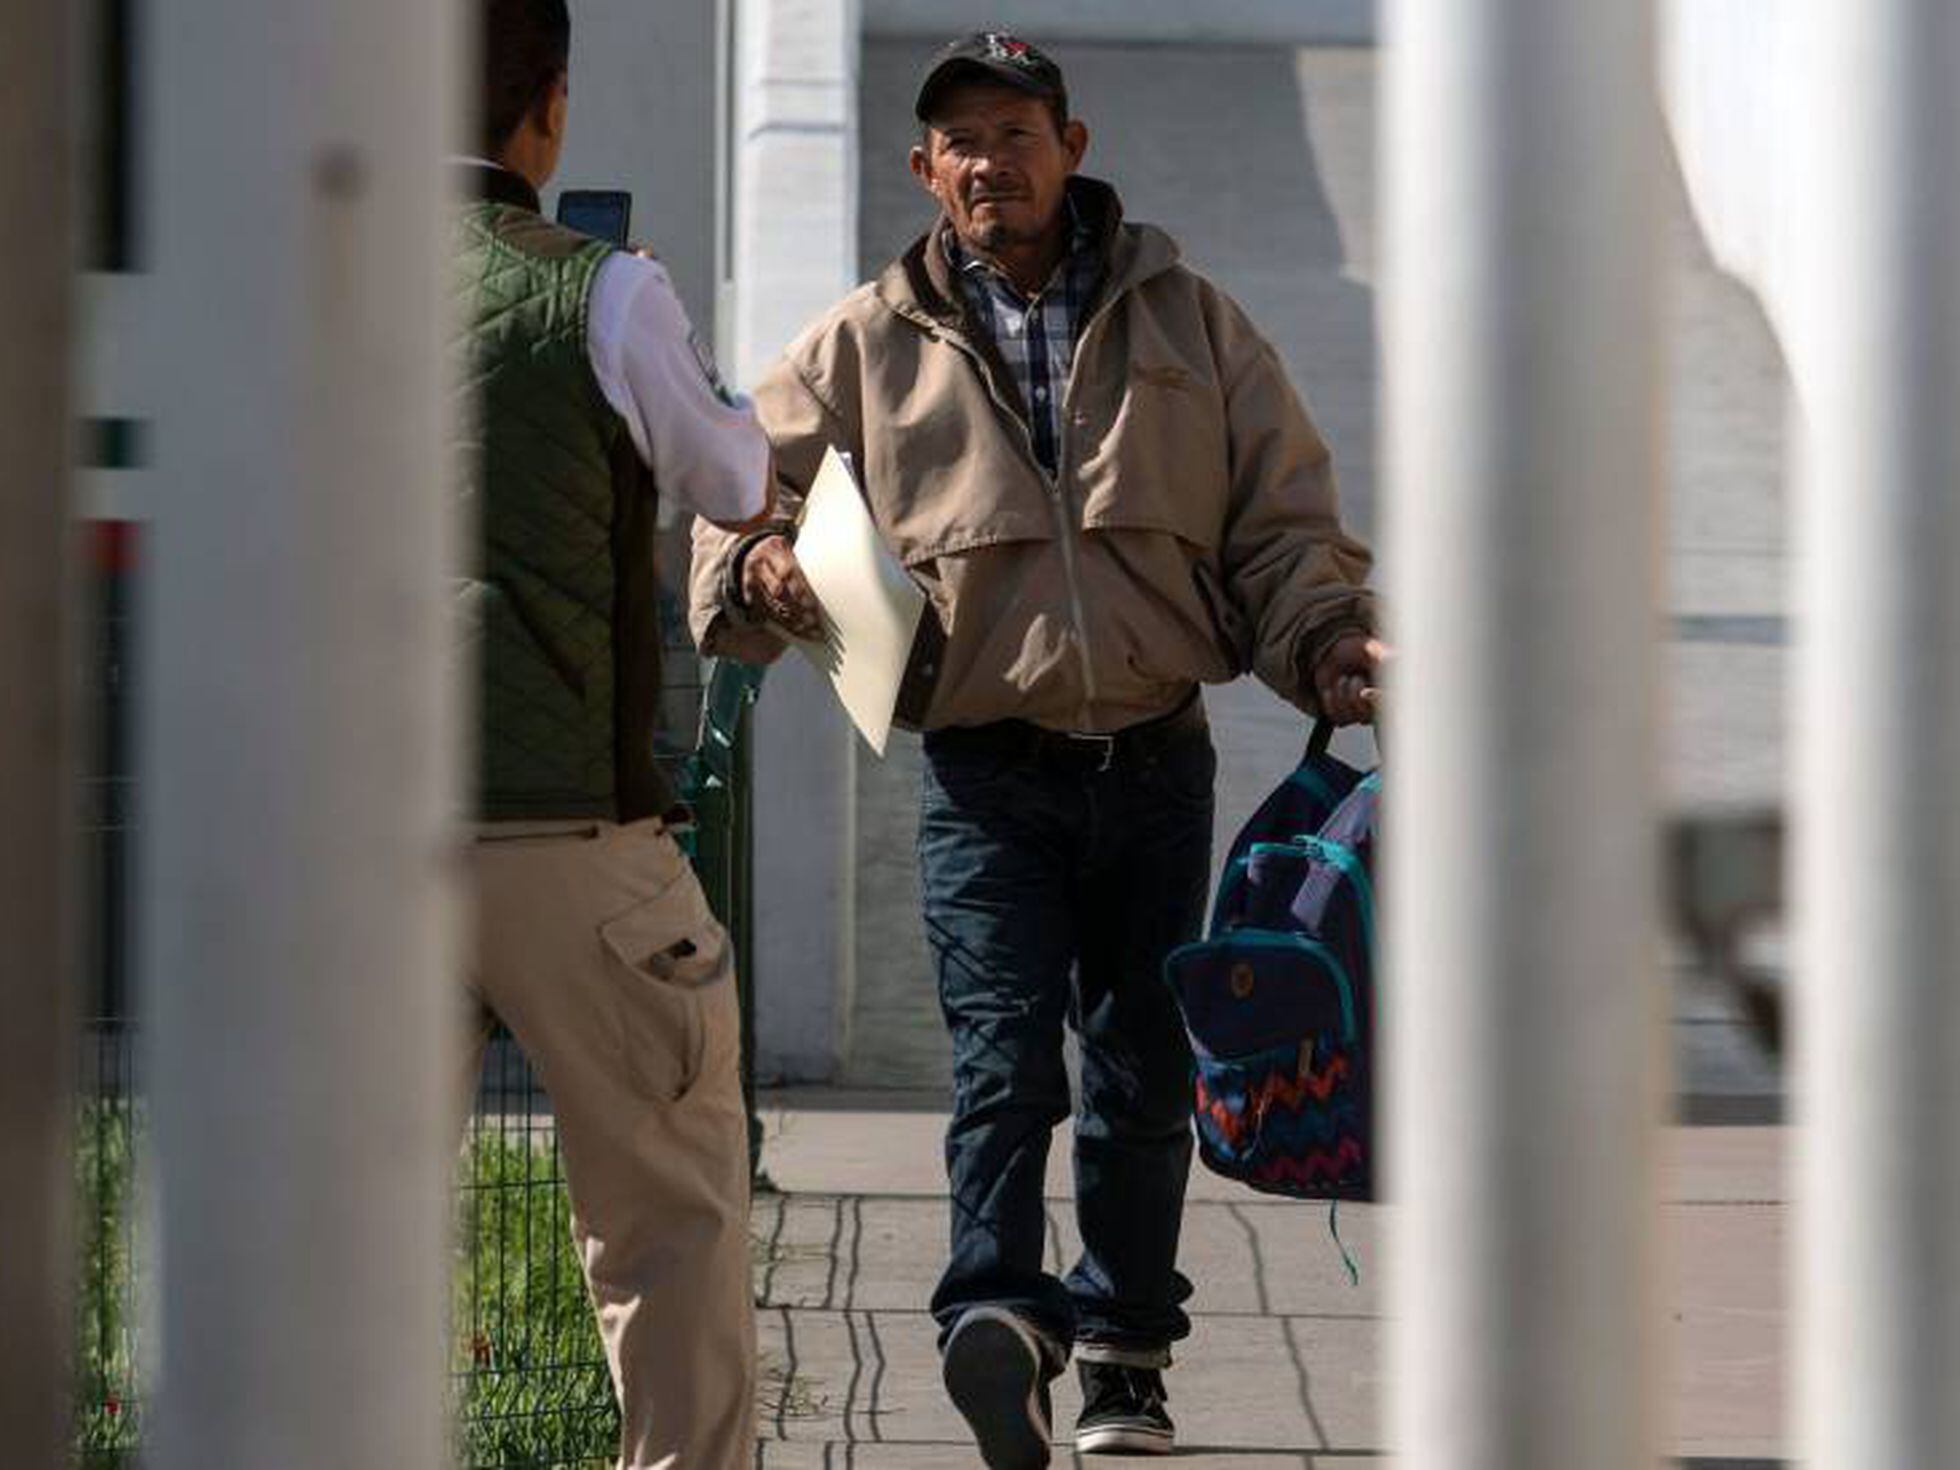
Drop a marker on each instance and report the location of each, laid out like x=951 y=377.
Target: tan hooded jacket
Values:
x=1191 y=533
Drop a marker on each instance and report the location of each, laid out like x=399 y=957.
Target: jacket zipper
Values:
x=1065 y=533
x=1070 y=577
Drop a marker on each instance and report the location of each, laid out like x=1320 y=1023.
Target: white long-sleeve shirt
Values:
x=701 y=441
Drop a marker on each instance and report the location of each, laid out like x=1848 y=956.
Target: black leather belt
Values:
x=1085 y=752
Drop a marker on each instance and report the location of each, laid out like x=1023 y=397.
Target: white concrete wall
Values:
x=643 y=119
x=796 y=170
x=1297 y=22
x=1730 y=89
x=794 y=254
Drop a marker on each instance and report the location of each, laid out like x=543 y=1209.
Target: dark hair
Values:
x=526 y=44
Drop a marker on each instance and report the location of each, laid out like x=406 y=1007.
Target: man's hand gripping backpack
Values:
x=1278 y=998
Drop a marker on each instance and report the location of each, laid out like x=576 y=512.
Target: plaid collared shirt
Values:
x=1035 y=336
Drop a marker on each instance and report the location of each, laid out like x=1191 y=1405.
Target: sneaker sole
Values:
x=993 y=1375
x=1124 y=1439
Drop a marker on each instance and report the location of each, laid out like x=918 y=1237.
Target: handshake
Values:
x=774 y=588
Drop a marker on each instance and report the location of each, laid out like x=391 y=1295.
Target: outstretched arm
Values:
x=703 y=443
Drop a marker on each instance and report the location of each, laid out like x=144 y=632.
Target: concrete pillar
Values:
x=795 y=255
x=298 y=758
x=1735 y=102
x=37 y=787
x=1877 y=871
x=643 y=118
x=1522 y=999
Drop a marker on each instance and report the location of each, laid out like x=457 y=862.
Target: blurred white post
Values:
x=298 y=751
x=1523 y=1004
x=1878 y=714
x=795 y=255
x=38 y=794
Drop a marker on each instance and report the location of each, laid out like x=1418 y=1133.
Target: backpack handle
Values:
x=1321 y=732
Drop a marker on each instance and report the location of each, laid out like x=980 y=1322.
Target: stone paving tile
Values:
x=1734 y=1166
x=878 y=1254
x=1242 y=1383
x=1726 y=1263
x=1243 y=1386
x=842 y=1455
x=837 y=1455
x=1285 y=1352
x=819 y=1143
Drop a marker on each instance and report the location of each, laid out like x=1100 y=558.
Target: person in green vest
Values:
x=588 y=397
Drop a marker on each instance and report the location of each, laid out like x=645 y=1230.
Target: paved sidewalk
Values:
x=1283 y=1368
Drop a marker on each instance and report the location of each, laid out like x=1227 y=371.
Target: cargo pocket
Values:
x=672 y=964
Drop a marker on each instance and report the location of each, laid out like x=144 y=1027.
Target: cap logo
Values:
x=1009 y=48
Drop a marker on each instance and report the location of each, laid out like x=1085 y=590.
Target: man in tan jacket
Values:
x=1099 y=473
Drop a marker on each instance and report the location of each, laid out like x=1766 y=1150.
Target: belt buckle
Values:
x=1107 y=744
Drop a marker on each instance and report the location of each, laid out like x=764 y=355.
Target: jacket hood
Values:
x=919 y=283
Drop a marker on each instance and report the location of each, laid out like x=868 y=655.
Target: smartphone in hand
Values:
x=601 y=213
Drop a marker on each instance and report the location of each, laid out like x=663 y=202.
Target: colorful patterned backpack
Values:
x=1278 y=998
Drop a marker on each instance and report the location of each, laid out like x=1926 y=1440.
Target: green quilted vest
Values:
x=563 y=603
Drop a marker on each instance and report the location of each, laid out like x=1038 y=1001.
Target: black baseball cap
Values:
x=990 y=56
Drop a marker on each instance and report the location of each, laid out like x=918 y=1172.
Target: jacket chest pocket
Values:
x=1154 y=454
x=962 y=486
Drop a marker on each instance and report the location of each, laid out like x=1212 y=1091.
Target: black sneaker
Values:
x=997 y=1371
x=1123 y=1411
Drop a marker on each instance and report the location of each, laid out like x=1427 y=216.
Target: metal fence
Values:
x=528 y=1376
x=108 y=1133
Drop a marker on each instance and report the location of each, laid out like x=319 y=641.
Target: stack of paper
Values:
x=871 y=606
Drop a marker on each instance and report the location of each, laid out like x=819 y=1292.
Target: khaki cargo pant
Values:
x=595 y=946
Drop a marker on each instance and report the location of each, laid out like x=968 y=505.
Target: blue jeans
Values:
x=1053 y=891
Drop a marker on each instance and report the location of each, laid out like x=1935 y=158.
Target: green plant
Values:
x=532 y=1389
x=106 y=1407
x=532 y=1383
